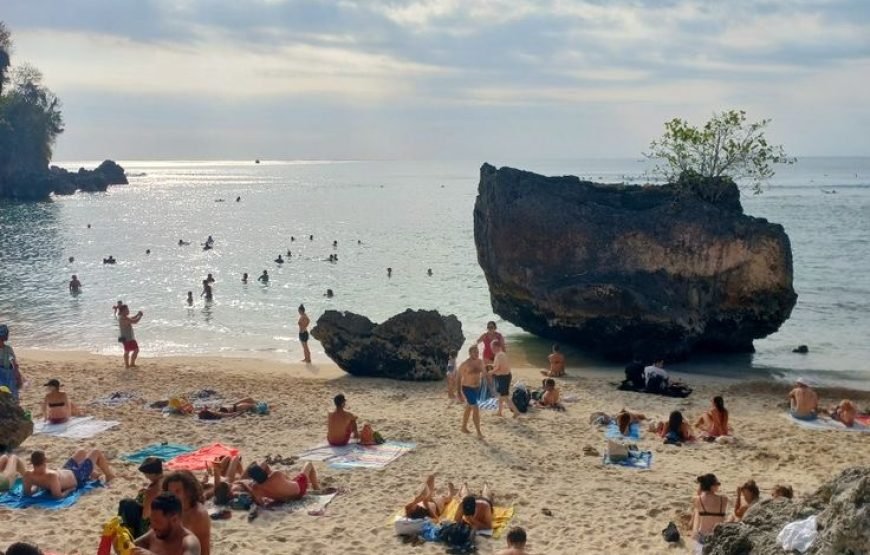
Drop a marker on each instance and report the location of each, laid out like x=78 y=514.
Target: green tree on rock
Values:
x=726 y=146
x=5 y=54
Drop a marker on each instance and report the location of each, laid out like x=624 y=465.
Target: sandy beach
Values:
x=534 y=463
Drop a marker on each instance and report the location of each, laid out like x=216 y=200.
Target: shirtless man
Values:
x=475 y=511
x=470 y=374
x=183 y=485
x=551 y=395
x=501 y=375
x=152 y=469
x=10 y=468
x=167 y=536
x=75 y=286
x=340 y=424
x=303 y=324
x=264 y=277
x=80 y=468
x=273 y=485
x=557 y=364
x=516 y=540
x=804 y=401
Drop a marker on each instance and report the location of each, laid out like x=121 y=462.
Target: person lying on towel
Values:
x=82 y=466
x=265 y=485
x=427 y=504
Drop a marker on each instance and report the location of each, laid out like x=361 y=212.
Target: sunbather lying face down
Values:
x=265 y=485
x=475 y=511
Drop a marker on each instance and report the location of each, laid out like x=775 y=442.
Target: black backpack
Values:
x=521 y=398
x=458 y=536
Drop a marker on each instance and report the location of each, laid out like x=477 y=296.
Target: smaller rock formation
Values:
x=15 y=427
x=413 y=345
x=801 y=349
x=88 y=181
x=842 y=507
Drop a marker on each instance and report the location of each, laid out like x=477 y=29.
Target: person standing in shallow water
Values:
x=304 y=322
x=75 y=286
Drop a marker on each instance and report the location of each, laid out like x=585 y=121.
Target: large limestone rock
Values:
x=628 y=270
x=15 y=427
x=413 y=345
x=842 y=509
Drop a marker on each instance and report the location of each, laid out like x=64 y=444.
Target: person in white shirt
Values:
x=655 y=376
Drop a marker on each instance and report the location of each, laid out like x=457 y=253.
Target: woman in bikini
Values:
x=56 y=407
x=714 y=422
x=427 y=504
x=676 y=430
x=709 y=508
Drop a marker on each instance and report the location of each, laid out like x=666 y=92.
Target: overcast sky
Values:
x=438 y=79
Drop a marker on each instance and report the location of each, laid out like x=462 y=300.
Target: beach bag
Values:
x=457 y=535
x=521 y=399
x=671 y=534
x=616 y=451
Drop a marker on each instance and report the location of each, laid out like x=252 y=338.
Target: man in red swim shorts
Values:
x=126 y=337
x=266 y=484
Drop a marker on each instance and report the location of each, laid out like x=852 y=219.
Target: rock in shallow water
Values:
x=631 y=271
x=413 y=345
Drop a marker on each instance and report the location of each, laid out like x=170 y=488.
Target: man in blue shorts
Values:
x=84 y=465
x=470 y=374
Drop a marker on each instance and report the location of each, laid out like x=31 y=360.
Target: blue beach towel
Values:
x=641 y=460
x=613 y=431
x=165 y=451
x=15 y=499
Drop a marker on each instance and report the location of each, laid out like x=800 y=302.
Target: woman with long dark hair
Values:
x=714 y=422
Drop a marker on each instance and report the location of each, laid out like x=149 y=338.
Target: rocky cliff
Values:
x=413 y=345
x=631 y=271
x=39 y=185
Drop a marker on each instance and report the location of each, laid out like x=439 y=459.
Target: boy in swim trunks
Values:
x=267 y=485
x=80 y=468
x=501 y=374
x=471 y=373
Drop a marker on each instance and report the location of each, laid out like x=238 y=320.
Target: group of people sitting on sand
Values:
x=804 y=405
x=710 y=508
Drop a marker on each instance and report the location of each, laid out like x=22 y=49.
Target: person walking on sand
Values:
x=75 y=286
x=340 y=424
x=557 y=364
x=501 y=375
x=471 y=374
x=127 y=337
x=303 y=323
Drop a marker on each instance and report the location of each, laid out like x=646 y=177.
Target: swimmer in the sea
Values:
x=264 y=277
x=429 y=272
x=209 y=278
x=389 y=272
x=245 y=277
x=190 y=298
x=75 y=286
x=279 y=260
x=334 y=244
x=329 y=294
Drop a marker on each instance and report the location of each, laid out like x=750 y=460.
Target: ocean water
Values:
x=410 y=216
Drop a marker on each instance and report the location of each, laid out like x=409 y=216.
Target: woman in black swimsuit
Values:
x=709 y=507
x=56 y=407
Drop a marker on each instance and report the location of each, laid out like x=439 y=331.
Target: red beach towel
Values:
x=198 y=459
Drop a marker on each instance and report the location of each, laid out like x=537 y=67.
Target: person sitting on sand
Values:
x=676 y=430
x=844 y=412
x=194 y=516
x=56 y=406
x=557 y=364
x=550 y=397
x=136 y=513
x=656 y=377
x=340 y=424
x=516 y=541
x=714 y=422
x=167 y=536
x=82 y=466
x=804 y=401
x=625 y=418
x=747 y=495
x=266 y=485
x=782 y=492
x=475 y=511
x=709 y=508
x=75 y=286
x=11 y=467
x=471 y=373
x=427 y=504
x=10 y=374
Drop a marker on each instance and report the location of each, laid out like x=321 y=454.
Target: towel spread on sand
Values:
x=354 y=455
x=78 y=427
x=826 y=423
x=312 y=504
x=613 y=431
x=15 y=499
x=197 y=460
x=641 y=460
x=165 y=451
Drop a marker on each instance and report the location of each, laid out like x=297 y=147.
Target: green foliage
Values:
x=30 y=121
x=5 y=54
x=727 y=145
